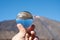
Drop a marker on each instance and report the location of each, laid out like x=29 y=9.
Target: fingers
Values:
x=36 y=38
x=20 y=28
x=31 y=28
x=30 y=36
x=32 y=33
x=27 y=36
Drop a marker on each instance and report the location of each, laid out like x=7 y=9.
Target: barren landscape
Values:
x=46 y=29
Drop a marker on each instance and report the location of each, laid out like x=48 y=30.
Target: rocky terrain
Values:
x=46 y=29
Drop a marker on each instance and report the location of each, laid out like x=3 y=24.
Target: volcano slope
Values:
x=46 y=29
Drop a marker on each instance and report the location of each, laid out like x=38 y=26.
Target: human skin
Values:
x=25 y=34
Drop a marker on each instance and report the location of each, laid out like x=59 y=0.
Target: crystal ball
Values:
x=25 y=18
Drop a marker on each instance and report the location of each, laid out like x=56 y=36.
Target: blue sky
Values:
x=47 y=8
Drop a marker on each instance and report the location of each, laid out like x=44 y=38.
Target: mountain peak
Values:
x=44 y=27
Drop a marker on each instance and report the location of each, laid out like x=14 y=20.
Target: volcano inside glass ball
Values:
x=25 y=18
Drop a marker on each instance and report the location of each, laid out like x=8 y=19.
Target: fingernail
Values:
x=30 y=38
x=27 y=35
x=32 y=32
x=19 y=25
x=35 y=38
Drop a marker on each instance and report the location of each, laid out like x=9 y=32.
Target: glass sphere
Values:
x=25 y=18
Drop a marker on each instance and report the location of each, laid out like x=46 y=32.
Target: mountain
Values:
x=46 y=29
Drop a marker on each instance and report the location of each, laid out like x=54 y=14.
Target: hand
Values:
x=25 y=34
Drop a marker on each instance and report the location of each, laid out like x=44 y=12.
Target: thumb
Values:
x=20 y=27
